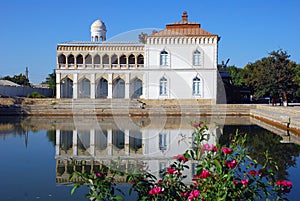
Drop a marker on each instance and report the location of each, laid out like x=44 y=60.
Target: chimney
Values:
x=185 y=17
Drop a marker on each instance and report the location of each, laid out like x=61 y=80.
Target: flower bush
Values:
x=221 y=173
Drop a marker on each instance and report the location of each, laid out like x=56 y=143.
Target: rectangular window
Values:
x=196 y=86
x=164 y=58
x=197 y=58
x=163 y=86
x=163 y=141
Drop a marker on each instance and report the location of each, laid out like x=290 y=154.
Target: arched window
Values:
x=163 y=86
x=100 y=140
x=79 y=59
x=196 y=86
x=118 y=90
x=197 y=58
x=114 y=59
x=136 y=88
x=164 y=58
x=105 y=59
x=84 y=88
x=102 y=88
x=140 y=60
x=118 y=140
x=71 y=59
x=131 y=59
x=66 y=88
x=62 y=59
x=123 y=61
x=97 y=59
x=88 y=59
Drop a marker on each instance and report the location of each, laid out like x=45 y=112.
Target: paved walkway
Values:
x=280 y=115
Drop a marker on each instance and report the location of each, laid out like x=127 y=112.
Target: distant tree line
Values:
x=18 y=79
x=272 y=76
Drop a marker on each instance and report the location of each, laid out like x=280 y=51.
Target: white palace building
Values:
x=179 y=62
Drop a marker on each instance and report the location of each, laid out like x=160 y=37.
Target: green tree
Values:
x=271 y=75
x=236 y=75
x=297 y=82
x=18 y=79
x=51 y=81
x=297 y=75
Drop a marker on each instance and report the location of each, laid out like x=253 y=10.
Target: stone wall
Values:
x=22 y=91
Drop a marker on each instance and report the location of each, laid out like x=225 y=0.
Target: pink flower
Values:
x=226 y=150
x=171 y=170
x=288 y=183
x=160 y=181
x=235 y=182
x=209 y=147
x=284 y=183
x=231 y=164
x=253 y=172
x=194 y=194
x=181 y=158
x=245 y=182
x=204 y=174
x=185 y=194
x=99 y=175
x=196 y=124
x=156 y=190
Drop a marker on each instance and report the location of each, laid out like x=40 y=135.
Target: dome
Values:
x=98 y=24
x=98 y=31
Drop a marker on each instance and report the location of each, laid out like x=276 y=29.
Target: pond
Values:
x=35 y=152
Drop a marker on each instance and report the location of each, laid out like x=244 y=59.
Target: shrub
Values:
x=35 y=95
x=222 y=173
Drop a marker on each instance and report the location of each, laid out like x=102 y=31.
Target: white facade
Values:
x=179 y=62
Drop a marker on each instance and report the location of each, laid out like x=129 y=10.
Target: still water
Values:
x=35 y=152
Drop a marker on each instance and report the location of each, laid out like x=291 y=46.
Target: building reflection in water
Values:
x=149 y=147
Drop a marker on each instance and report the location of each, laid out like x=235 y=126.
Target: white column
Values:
x=126 y=146
x=110 y=86
x=57 y=85
x=92 y=142
x=57 y=142
x=93 y=80
x=75 y=87
x=75 y=151
x=145 y=89
x=144 y=140
x=109 y=142
x=127 y=83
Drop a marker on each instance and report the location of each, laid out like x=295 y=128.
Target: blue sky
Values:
x=249 y=30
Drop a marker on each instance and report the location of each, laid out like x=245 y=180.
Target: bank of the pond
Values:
x=284 y=117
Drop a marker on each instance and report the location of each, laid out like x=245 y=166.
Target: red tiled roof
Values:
x=183 y=28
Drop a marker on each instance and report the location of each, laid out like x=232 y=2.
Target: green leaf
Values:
x=118 y=197
x=217 y=163
x=74 y=188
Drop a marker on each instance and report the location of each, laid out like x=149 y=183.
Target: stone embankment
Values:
x=284 y=117
x=110 y=107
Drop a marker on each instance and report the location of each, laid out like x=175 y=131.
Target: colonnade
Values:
x=93 y=85
x=111 y=141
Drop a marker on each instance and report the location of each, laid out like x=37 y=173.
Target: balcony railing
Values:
x=62 y=66
x=88 y=65
x=99 y=66
x=71 y=65
x=105 y=65
x=80 y=66
x=114 y=66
